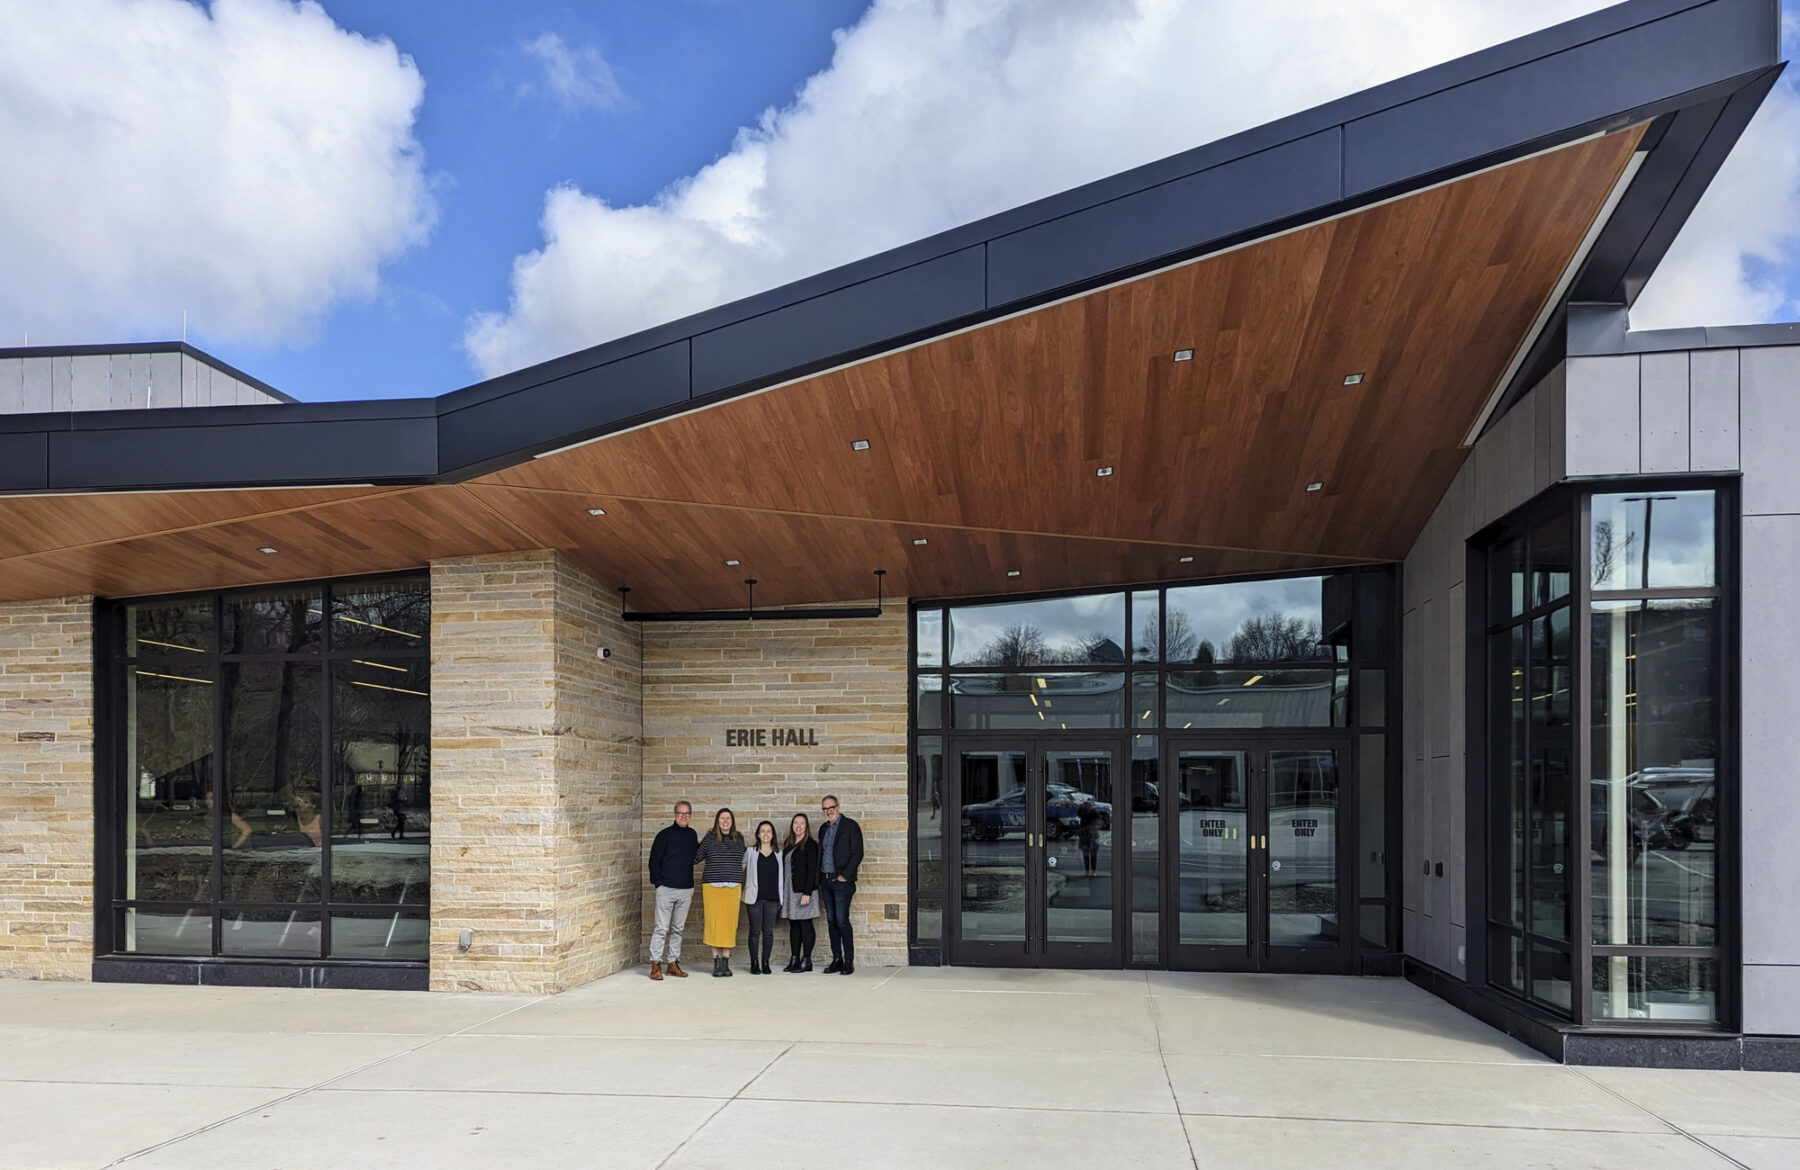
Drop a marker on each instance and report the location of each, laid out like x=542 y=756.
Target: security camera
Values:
x=604 y=652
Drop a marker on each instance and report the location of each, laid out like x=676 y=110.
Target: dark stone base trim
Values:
x=926 y=956
x=1384 y=966
x=1570 y=1044
x=1516 y=1020
x=274 y=973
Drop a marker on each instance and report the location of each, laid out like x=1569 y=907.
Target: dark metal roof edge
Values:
x=114 y=348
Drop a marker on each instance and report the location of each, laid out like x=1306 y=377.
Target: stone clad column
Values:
x=47 y=789
x=536 y=775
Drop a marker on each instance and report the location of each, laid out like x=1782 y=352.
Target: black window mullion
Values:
x=327 y=787
x=218 y=773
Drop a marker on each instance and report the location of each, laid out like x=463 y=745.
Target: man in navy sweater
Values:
x=672 y=873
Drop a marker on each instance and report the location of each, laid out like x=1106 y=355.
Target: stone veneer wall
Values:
x=536 y=765
x=847 y=680
x=46 y=789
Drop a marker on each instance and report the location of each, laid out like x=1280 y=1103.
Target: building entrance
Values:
x=1257 y=856
x=1035 y=882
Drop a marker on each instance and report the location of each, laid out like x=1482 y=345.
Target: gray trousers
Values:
x=671 y=915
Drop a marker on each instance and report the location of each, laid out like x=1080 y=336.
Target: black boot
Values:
x=793 y=963
x=725 y=965
x=718 y=966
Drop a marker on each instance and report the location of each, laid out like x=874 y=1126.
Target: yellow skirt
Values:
x=721 y=905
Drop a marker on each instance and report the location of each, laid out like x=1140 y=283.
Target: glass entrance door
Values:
x=1257 y=857
x=1034 y=863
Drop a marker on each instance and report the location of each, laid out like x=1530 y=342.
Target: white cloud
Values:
x=252 y=165
x=1735 y=261
x=578 y=78
x=937 y=112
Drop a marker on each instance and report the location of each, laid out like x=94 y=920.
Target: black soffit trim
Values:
x=1695 y=69
x=752 y=614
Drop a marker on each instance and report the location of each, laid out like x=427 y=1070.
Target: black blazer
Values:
x=804 y=867
x=848 y=854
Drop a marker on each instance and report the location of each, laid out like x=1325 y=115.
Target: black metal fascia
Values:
x=1695 y=68
x=813 y=614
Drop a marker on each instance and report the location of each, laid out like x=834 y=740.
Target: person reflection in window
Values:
x=240 y=828
x=397 y=806
x=1089 y=816
x=306 y=818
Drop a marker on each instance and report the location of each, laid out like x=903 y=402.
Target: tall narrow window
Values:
x=1653 y=679
x=1531 y=937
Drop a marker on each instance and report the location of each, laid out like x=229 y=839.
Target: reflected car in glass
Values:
x=989 y=820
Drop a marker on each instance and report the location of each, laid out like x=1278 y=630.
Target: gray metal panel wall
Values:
x=1769 y=683
x=1520 y=456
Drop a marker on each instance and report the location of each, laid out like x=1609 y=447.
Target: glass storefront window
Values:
x=1250 y=698
x=168 y=767
x=275 y=621
x=1036 y=702
x=1060 y=631
x=381 y=781
x=928 y=637
x=1146 y=616
x=320 y=794
x=1655 y=987
x=1143 y=700
x=928 y=703
x=380 y=934
x=1652 y=540
x=1653 y=801
x=176 y=629
x=383 y=615
x=273 y=831
x=1246 y=621
x=1146 y=802
x=928 y=829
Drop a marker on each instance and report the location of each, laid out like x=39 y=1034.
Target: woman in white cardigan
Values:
x=762 y=894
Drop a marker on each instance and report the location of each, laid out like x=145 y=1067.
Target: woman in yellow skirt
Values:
x=721 y=852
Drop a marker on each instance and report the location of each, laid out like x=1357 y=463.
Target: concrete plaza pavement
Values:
x=906 y=1067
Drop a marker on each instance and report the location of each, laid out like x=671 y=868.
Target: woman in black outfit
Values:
x=762 y=893
x=800 y=894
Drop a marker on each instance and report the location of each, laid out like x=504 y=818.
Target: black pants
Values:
x=763 y=917
x=837 y=897
x=802 y=934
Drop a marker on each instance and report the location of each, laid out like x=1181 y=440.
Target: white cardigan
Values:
x=750 y=859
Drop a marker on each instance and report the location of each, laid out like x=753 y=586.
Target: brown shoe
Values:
x=656 y=970
x=676 y=971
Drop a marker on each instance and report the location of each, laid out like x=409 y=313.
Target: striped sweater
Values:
x=723 y=859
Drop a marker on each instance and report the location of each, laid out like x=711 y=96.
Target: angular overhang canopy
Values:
x=1427 y=235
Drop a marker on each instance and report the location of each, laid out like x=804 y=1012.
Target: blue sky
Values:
x=690 y=71
x=378 y=198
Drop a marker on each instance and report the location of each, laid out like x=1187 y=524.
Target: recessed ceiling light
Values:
x=596 y=511
x=920 y=540
x=1012 y=572
x=267 y=550
x=1353 y=379
x=1313 y=487
x=1187 y=560
x=859 y=445
x=1103 y=472
x=1184 y=355
x=731 y=564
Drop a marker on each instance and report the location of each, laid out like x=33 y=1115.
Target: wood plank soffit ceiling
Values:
x=984 y=447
